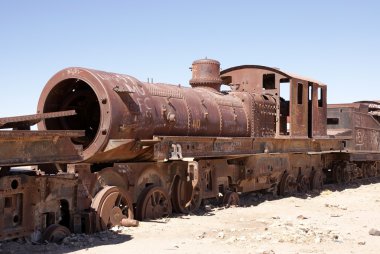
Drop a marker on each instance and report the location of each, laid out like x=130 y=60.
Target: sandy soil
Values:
x=338 y=220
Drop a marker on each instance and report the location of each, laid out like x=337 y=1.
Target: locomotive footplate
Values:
x=19 y=148
x=175 y=148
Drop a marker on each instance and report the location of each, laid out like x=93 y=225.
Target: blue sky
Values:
x=336 y=42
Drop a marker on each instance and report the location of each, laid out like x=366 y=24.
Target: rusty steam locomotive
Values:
x=111 y=148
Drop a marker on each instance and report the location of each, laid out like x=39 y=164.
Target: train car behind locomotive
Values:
x=359 y=124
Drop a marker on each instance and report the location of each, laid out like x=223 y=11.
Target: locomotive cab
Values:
x=301 y=103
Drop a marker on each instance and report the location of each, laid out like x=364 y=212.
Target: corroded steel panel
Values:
x=29 y=203
x=203 y=147
x=298 y=108
x=318 y=112
x=23 y=122
x=38 y=147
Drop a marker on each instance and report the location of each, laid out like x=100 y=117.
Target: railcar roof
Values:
x=275 y=70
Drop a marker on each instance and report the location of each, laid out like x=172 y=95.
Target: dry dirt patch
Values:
x=335 y=221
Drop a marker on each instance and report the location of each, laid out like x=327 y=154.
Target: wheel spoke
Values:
x=110 y=204
x=184 y=201
x=153 y=203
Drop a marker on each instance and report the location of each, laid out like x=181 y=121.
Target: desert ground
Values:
x=339 y=219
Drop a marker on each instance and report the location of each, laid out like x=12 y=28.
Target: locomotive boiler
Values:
x=116 y=109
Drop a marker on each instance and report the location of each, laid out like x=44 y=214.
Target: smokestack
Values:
x=206 y=73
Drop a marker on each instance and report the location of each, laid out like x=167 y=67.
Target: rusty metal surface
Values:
x=203 y=147
x=38 y=147
x=28 y=204
x=250 y=77
x=205 y=72
x=112 y=205
x=114 y=106
x=24 y=122
x=306 y=106
x=359 y=123
x=153 y=203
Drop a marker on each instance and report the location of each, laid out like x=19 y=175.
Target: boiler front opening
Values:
x=74 y=94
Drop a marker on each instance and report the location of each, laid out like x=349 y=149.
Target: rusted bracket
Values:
x=24 y=122
x=121 y=90
x=38 y=147
x=193 y=176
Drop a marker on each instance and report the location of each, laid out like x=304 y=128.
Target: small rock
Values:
x=66 y=240
x=201 y=236
x=335 y=215
x=374 y=232
x=208 y=208
x=276 y=217
x=337 y=238
x=116 y=229
x=361 y=243
x=301 y=217
x=221 y=235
